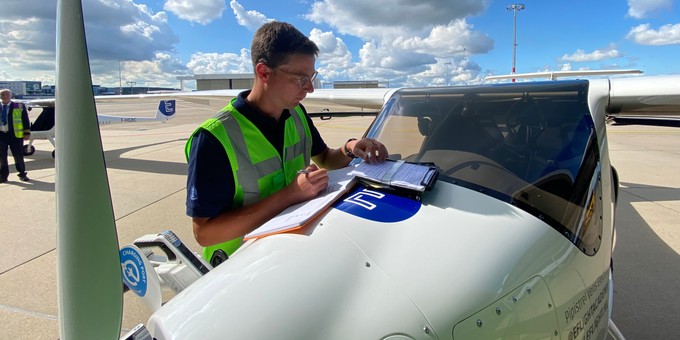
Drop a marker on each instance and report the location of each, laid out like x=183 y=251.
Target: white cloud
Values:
x=251 y=20
x=210 y=63
x=367 y=19
x=640 y=9
x=406 y=50
x=447 y=72
x=116 y=30
x=141 y=29
x=582 y=56
x=334 y=57
x=161 y=71
x=202 y=12
x=169 y=64
x=645 y=35
x=454 y=38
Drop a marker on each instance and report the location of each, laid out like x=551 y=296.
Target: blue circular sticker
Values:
x=134 y=273
x=379 y=206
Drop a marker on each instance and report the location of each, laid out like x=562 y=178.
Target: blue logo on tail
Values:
x=167 y=107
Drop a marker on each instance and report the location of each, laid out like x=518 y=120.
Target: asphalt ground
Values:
x=147 y=176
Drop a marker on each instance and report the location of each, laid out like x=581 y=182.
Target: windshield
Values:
x=533 y=146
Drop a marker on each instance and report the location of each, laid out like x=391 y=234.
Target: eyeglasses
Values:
x=301 y=80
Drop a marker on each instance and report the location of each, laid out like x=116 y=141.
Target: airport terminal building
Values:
x=243 y=81
x=231 y=81
x=22 y=88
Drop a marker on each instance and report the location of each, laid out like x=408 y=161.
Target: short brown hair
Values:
x=275 y=41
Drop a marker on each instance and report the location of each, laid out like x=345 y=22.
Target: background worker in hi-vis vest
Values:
x=244 y=161
x=15 y=127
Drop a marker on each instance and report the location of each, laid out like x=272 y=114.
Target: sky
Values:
x=398 y=42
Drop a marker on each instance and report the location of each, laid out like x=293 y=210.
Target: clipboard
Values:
x=418 y=177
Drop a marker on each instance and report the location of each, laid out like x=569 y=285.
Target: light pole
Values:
x=514 y=8
x=120 y=79
x=131 y=83
x=448 y=63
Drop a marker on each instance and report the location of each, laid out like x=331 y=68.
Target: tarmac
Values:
x=147 y=178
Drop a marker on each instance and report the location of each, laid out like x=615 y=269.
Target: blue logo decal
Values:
x=134 y=274
x=378 y=206
x=167 y=107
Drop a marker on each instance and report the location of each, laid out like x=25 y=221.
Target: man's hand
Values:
x=309 y=184
x=238 y=222
x=369 y=149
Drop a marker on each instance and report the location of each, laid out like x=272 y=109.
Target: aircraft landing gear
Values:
x=29 y=150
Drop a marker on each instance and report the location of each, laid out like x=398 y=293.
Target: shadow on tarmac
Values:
x=114 y=160
x=653 y=121
x=34 y=184
x=646 y=270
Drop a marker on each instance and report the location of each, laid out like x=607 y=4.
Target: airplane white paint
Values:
x=164 y=112
x=514 y=241
x=552 y=75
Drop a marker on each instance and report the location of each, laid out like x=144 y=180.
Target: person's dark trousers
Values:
x=16 y=145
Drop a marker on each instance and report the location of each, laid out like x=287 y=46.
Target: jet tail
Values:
x=166 y=110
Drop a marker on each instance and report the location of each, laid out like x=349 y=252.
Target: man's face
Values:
x=290 y=82
x=5 y=97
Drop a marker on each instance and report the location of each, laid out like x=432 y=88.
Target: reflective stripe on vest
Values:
x=17 y=122
x=256 y=165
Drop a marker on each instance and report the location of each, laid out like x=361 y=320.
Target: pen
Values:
x=303 y=171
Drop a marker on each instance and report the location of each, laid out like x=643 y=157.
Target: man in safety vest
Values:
x=244 y=161
x=15 y=127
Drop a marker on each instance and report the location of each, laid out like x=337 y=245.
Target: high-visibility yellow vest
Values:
x=17 y=122
x=257 y=167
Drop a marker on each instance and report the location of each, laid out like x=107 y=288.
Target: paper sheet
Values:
x=298 y=214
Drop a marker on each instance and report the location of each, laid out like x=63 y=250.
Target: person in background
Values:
x=244 y=161
x=15 y=127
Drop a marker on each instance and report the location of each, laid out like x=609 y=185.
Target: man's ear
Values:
x=262 y=72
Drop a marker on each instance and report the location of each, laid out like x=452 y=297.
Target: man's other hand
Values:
x=369 y=149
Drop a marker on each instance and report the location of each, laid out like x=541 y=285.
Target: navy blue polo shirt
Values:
x=210 y=181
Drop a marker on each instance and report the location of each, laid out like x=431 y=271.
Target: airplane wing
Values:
x=552 y=75
x=639 y=96
x=654 y=95
x=361 y=98
x=213 y=100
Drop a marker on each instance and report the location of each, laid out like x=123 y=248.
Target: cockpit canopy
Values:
x=532 y=146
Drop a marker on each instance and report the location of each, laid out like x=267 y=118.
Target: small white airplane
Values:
x=43 y=126
x=514 y=241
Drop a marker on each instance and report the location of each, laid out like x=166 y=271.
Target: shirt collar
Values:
x=253 y=114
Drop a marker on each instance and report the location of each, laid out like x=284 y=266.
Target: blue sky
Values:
x=400 y=42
